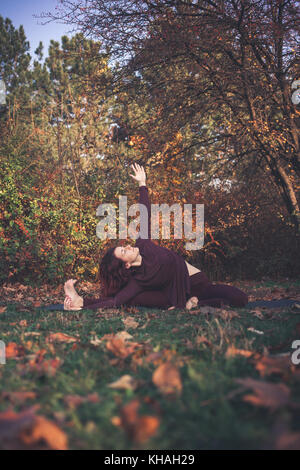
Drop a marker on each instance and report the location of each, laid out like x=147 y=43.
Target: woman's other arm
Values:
x=121 y=298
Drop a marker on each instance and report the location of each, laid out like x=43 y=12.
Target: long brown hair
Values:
x=113 y=275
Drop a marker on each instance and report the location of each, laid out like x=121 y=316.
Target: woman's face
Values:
x=127 y=253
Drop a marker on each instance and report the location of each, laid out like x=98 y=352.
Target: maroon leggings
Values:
x=215 y=295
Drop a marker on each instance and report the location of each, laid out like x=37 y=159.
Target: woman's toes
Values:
x=192 y=303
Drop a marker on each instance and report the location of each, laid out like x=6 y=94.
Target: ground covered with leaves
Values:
x=137 y=378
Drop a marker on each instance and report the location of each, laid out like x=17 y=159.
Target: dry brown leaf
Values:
x=167 y=378
x=266 y=394
x=267 y=365
x=13 y=350
x=232 y=351
x=46 y=367
x=139 y=428
x=116 y=421
x=253 y=330
x=96 y=341
x=25 y=430
x=130 y=322
x=257 y=313
x=120 y=348
x=125 y=382
x=32 y=333
x=228 y=314
x=61 y=338
x=123 y=335
x=47 y=431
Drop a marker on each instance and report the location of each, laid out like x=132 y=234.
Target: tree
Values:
x=241 y=57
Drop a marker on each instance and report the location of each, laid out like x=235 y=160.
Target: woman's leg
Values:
x=216 y=295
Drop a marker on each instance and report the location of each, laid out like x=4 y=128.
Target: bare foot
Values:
x=68 y=305
x=76 y=300
x=191 y=303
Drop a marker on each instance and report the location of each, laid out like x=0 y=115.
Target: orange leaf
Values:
x=139 y=428
x=268 y=365
x=232 y=351
x=265 y=394
x=167 y=378
x=45 y=430
x=119 y=348
x=14 y=350
x=61 y=338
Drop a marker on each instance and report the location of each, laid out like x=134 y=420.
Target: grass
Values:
x=205 y=415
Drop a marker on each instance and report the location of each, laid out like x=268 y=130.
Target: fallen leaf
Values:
x=266 y=394
x=41 y=366
x=257 y=313
x=167 y=378
x=116 y=421
x=125 y=382
x=13 y=350
x=61 y=338
x=96 y=341
x=267 y=365
x=120 y=348
x=130 y=322
x=258 y=332
x=123 y=335
x=73 y=401
x=25 y=430
x=139 y=428
x=45 y=430
x=232 y=351
x=228 y=314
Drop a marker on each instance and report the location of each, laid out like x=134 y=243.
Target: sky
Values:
x=21 y=11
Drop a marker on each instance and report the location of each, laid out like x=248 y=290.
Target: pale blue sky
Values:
x=21 y=11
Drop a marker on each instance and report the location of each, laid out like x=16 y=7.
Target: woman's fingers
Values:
x=137 y=167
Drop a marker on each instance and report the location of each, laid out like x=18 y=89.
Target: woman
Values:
x=152 y=276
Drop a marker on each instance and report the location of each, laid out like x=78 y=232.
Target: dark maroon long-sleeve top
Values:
x=161 y=269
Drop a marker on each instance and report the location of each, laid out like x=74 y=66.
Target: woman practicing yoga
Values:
x=152 y=276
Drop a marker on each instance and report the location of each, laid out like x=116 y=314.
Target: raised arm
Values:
x=140 y=177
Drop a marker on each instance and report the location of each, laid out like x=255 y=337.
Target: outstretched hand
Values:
x=140 y=175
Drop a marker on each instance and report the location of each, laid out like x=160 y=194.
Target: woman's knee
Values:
x=240 y=299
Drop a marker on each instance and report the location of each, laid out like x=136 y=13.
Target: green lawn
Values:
x=204 y=414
